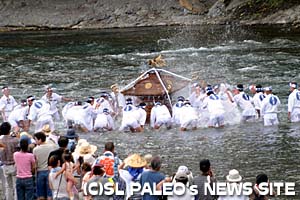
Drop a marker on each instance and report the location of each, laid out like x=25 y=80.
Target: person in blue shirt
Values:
x=153 y=176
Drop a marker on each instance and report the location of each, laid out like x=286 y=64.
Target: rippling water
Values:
x=82 y=63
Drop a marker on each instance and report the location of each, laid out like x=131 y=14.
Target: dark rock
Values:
x=218 y=9
x=37 y=14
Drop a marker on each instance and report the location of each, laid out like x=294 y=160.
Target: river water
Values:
x=82 y=63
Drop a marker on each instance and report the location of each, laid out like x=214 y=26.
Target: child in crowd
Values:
x=68 y=168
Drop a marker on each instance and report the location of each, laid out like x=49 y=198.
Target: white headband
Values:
x=3 y=89
x=252 y=87
x=293 y=85
x=31 y=98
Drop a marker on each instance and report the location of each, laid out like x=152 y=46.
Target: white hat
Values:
x=234 y=176
x=180 y=176
x=183 y=169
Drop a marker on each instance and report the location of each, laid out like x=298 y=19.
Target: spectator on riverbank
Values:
x=234 y=179
x=110 y=160
x=41 y=153
x=7 y=159
x=98 y=177
x=72 y=138
x=206 y=176
x=182 y=177
x=57 y=185
x=84 y=152
x=86 y=171
x=62 y=143
x=152 y=176
x=261 y=178
x=184 y=169
x=132 y=172
x=25 y=164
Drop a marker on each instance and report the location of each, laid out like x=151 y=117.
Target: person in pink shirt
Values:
x=25 y=164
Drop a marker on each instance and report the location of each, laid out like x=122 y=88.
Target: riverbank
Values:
x=95 y=14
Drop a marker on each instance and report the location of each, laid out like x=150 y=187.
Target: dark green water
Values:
x=82 y=63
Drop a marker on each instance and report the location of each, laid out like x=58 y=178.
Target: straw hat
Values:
x=234 y=176
x=135 y=161
x=85 y=148
x=46 y=129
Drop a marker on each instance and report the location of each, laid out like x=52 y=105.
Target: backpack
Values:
x=108 y=160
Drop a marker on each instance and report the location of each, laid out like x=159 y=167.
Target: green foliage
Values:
x=256 y=9
x=270 y=3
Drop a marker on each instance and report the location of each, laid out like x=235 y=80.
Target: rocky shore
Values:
x=96 y=14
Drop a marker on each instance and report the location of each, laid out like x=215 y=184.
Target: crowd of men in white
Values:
x=209 y=106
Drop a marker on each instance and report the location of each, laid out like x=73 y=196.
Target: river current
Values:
x=83 y=63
